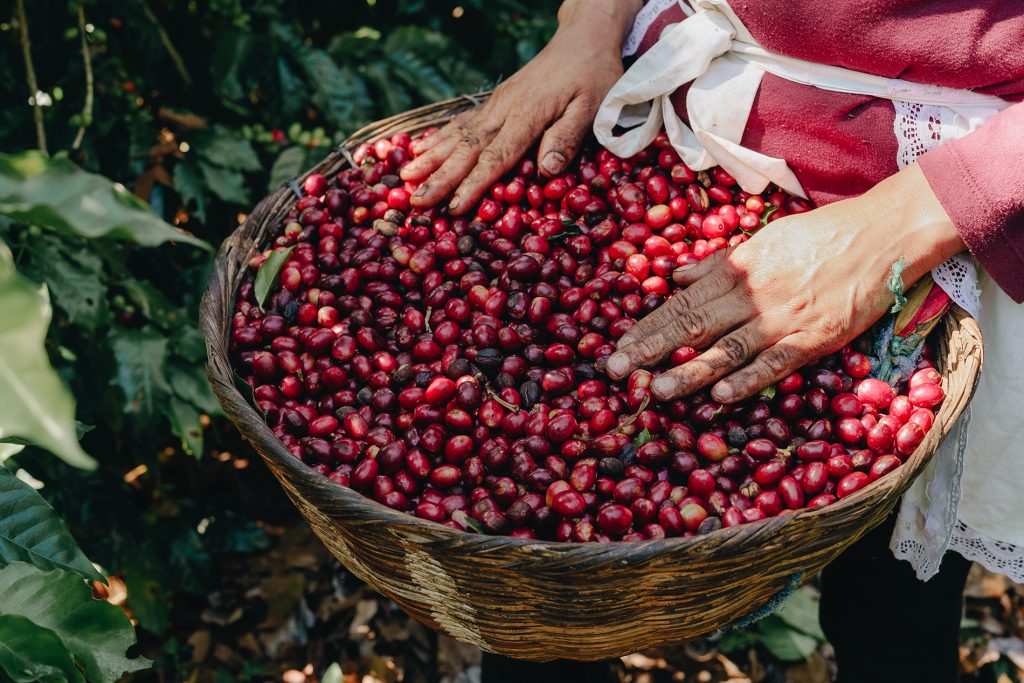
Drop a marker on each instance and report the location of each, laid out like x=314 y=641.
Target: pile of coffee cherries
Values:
x=449 y=367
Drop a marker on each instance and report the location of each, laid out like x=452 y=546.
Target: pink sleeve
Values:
x=980 y=181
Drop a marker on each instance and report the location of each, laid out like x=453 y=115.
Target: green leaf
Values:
x=191 y=386
x=738 y=640
x=188 y=181
x=288 y=165
x=34 y=403
x=643 y=437
x=151 y=302
x=32 y=653
x=75 y=278
x=140 y=358
x=31 y=531
x=226 y=148
x=184 y=419
x=151 y=583
x=396 y=99
x=226 y=183
x=340 y=93
x=768 y=211
x=188 y=343
x=230 y=56
x=333 y=674
x=768 y=392
x=784 y=642
x=801 y=612
x=270 y=269
x=56 y=194
x=95 y=632
x=420 y=75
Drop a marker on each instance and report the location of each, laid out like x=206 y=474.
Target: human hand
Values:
x=556 y=94
x=797 y=290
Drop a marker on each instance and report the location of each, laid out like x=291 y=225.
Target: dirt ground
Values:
x=293 y=614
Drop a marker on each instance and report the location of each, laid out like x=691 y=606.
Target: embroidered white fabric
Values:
x=644 y=18
x=996 y=556
x=927 y=525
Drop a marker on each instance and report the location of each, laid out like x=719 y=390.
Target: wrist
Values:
x=916 y=226
x=605 y=22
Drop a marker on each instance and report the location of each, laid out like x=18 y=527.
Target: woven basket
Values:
x=541 y=600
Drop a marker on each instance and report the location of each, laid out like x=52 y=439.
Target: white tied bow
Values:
x=712 y=49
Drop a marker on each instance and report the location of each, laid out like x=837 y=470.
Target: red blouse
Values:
x=840 y=145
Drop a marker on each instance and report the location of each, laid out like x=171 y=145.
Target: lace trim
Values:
x=918 y=128
x=958 y=277
x=994 y=555
x=922 y=534
x=644 y=19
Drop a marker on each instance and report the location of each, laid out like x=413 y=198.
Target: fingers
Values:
x=687 y=275
x=431 y=141
x=472 y=138
x=730 y=352
x=785 y=356
x=492 y=163
x=717 y=281
x=692 y=327
x=435 y=148
x=563 y=139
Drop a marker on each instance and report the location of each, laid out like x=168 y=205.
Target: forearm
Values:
x=600 y=21
x=906 y=220
x=978 y=181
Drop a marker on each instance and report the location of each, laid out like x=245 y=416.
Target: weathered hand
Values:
x=799 y=289
x=555 y=95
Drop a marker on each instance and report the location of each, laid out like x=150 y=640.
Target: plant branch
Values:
x=87 y=63
x=175 y=56
x=30 y=76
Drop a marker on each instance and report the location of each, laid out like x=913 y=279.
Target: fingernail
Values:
x=681 y=271
x=453 y=205
x=421 y=190
x=723 y=393
x=553 y=162
x=664 y=386
x=618 y=363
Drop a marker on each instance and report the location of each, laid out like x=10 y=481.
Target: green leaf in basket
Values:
x=768 y=391
x=266 y=278
x=465 y=520
x=31 y=531
x=768 y=211
x=643 y=437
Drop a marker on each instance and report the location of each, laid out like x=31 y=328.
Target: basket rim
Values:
x=237 y=407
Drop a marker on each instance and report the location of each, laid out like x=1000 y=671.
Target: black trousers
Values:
x=885 y=625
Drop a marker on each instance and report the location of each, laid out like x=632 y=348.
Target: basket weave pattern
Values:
x=541 y=600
